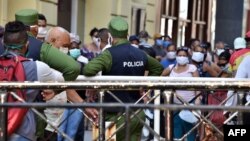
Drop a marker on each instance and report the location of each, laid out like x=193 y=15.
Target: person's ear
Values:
x=52 y=40
x=25 y=48
x=34 y=30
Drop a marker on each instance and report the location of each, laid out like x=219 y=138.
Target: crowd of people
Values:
x=57 y=55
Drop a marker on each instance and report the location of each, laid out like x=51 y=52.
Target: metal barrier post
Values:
x=157 y=115
x=240 y=114
x=101 y=118
x=168 y=116
x=127 y=125
x=3 y=117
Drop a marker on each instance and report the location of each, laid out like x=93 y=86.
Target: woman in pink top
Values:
x=183 y=69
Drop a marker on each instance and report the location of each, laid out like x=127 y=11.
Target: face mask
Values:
x=64 y=50
x=224 y=67
x=219 y=51
x=171 y=55
x=75 y=53
x=181 y=60
x=96 y=42
x=42 y=31
x=159 y=42
x=166 y=43
x=198 y=57
x=134 y=45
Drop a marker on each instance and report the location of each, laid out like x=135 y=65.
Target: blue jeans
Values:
x=181 y=127
x=70 y=122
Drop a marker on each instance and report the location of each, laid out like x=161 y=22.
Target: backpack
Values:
x=11 y=69
x=216 y=98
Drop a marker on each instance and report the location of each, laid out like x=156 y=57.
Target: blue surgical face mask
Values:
x=166 y=43
x=75 y=53
x=159 y=42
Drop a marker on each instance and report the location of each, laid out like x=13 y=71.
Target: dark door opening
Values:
x=64 y=14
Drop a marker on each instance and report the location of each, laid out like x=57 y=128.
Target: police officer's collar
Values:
x=30 y=34
x=121 y=41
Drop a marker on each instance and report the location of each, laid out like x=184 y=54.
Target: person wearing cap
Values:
x=122 y=59
x=158 y=46
x=134 y=40
x=242 y=72
x=75 y=51
x=48 y=53
x=143 y=37
x=240 y=52
x=17 y=43
x=45 y=52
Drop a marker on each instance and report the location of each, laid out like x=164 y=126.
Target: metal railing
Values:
x=132 y=83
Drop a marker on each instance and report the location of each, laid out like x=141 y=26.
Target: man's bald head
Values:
x=58 y=37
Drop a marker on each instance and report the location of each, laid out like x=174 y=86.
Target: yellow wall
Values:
x=15 y=5
x=49 y=10
x=80 y=16
x=8 y=8
x=97 y=13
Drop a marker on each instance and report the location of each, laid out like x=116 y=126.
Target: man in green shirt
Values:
x=122 y=59
x=45 y=52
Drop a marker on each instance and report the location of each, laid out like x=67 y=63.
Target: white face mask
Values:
x=134 y=45
x=219 y=51
x=42 y=30
x=198 y=57
x=64 y=50
x=96 y=41
x=181 y=60
x=171 y=55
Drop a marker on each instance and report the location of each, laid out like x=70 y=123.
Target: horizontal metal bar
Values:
x=133 y=83
x=132 y=106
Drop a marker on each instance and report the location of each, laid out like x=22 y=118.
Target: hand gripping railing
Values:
x=134 y=83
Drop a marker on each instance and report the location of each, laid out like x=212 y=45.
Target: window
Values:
x=186 y=19
x=138 y=20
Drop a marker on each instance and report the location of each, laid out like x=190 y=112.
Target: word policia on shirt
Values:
x=133 y=64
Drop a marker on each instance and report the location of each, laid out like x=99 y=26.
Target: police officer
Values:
x=122 y=59
x=45 y=52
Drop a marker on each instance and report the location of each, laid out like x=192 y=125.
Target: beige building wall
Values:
x=99 y=12
x=8 y=8
x=91 y=13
